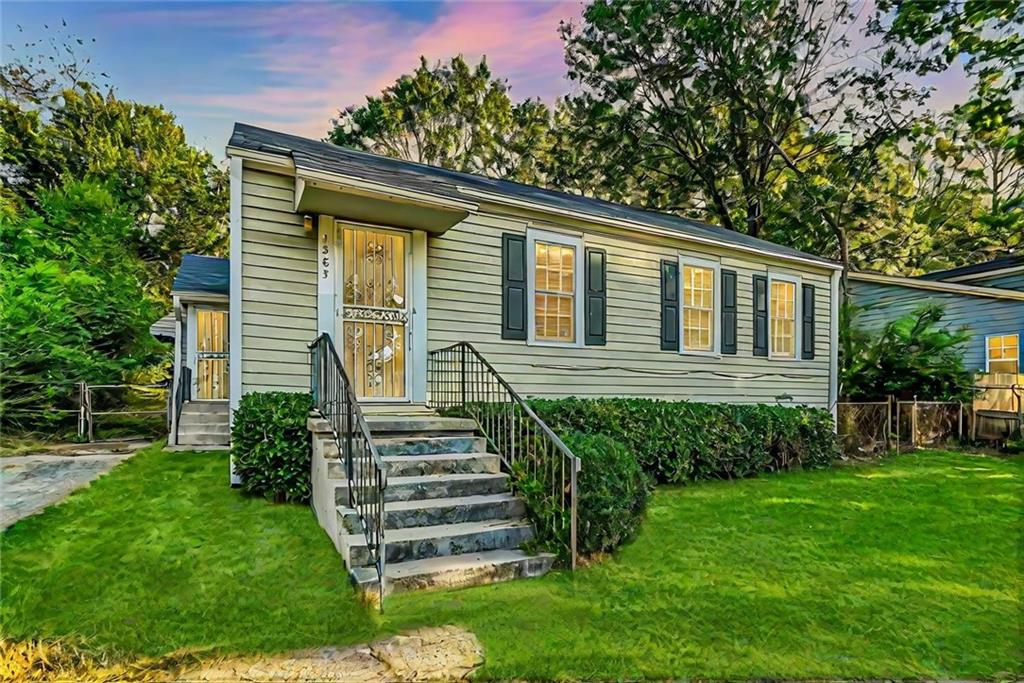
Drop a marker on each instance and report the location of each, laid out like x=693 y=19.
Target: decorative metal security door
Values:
x=211 y=375
x=375 y=311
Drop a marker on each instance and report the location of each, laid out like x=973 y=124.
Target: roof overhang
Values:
x=515 y=202
x=199 y=297
x=358 y=199
x=938 y=286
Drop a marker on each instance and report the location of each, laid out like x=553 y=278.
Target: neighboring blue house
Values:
x=987 y=298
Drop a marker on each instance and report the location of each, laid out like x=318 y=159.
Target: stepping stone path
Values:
x=444 y=653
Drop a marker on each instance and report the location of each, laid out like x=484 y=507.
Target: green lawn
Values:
x=907 y=569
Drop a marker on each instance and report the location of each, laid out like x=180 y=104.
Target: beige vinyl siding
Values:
x=464 y=303
x=278 y=286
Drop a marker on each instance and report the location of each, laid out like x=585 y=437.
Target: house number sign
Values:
x=325 y=263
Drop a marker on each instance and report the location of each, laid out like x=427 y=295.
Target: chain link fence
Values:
x=868 y=428
x=864 y=428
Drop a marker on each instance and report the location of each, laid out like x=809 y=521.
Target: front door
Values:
x=375 y=311
x=211 y=371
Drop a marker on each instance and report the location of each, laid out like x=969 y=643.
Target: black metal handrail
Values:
x=460 y=378
x=335 y=400
x=182 y=394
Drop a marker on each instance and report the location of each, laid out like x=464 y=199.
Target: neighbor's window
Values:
x=554 y=312
x=699 y=306
x=782 y=318
x=1004 y=354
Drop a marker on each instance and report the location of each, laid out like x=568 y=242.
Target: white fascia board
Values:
x=340 y=181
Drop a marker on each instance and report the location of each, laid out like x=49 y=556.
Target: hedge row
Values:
x=677 y=441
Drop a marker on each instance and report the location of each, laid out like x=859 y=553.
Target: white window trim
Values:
x=988 y=359
x=532 y=237
x=716 y=313
x=798 y=317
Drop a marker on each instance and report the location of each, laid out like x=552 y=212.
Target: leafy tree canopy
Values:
x=451 y=115
x=71 y=308
x=57 y=127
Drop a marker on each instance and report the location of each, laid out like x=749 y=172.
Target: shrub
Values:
x=611 y=492
x=676 y=441
x=271 y=446
x=611 y=496
x=916 y=355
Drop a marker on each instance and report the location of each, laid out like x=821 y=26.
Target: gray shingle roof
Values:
x=324 y=156
x=207 y=274
x=976 y=268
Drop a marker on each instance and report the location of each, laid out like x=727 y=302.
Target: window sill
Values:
x=554 y=344
x=701 y=354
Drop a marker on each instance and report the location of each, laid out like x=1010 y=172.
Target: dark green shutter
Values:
x=596 y=303
x=513 y=286
x=729 y=311
x=669 y=306
x=807 y=329
x=760 y=315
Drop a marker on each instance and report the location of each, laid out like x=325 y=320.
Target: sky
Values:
x=291 y=66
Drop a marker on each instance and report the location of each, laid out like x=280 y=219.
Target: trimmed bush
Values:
x=612 y=492
x=677 y=441
x=611 y=496
x=271 y=445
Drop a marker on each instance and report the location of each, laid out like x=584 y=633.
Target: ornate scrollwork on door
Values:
x=375 y=311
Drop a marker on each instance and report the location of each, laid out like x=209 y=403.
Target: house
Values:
x=987 y=299
x=446 y=288
x=200 y=383
x=563 y=295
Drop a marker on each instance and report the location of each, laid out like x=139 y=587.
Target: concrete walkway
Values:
x=29 y=483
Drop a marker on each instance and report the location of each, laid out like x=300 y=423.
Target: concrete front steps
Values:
x=450 y=518
x=204 y=423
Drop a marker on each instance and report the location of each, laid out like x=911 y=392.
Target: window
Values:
x=782 y=317
x=1003 y=354
x=700 y=300
x=555 y=277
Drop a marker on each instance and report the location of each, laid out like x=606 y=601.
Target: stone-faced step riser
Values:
x=425 y=548
x=434 y=489
x=512 y=509
x=483 y=463
x=431 y=445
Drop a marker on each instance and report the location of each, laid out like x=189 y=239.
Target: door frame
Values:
x=192 y=343
x=412 y=336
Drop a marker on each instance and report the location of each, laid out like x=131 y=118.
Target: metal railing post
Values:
x=462 y=373
x=572 y=521
x=81 y=409
x=913 y=423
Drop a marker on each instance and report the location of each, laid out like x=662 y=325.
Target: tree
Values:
x=70 y=303
x=57 y=126
x=729 y=109
x=987 y=40
x=454 y=116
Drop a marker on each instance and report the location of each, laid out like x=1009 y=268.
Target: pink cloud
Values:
x=314 y=59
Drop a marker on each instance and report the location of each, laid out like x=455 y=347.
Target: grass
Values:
x=910 y=568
